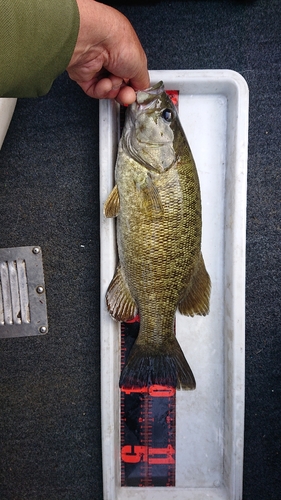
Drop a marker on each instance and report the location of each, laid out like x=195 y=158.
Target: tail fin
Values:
x=164 y=367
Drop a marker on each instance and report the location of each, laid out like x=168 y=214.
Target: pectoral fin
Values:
x=112 y=204
x=196 y=297
x=119 y=300
x=151 y=198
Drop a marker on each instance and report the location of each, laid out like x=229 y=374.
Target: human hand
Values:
x=108 y=60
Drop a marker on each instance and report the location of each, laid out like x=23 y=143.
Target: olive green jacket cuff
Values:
x=37 y=39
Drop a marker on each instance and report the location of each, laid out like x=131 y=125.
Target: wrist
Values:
x=97 y=25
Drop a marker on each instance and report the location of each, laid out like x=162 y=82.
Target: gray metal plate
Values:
x=23 y=309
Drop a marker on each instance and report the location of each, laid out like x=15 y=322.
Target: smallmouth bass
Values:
x=157 y=202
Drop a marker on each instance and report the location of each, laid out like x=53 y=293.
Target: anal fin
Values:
x=119 y=300
x=196 y=297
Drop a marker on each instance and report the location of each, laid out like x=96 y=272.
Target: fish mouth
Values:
x=145 y=97
x=155 y=145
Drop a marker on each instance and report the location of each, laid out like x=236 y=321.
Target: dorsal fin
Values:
x=196 y=297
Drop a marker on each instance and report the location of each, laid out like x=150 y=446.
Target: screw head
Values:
x=36 y=250
x=40 y=289
x=43 y=329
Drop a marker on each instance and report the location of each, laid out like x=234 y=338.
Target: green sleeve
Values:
x=37 y=39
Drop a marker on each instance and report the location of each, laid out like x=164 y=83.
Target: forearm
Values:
x=37 y=39
x=97 y=45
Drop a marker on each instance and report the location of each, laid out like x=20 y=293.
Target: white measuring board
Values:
x=213 y=109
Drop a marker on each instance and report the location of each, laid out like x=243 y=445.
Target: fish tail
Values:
x=167 y=366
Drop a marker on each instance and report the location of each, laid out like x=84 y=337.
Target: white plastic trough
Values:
x=213 y=107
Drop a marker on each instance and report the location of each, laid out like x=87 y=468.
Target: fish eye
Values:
x=167 y=115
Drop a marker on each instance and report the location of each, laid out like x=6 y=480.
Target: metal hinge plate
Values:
x=23 y=308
